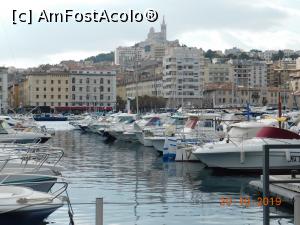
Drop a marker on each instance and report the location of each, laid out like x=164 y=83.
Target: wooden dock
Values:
x=286 y=191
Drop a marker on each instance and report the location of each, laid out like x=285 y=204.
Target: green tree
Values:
x=120 y=104
x=102 y=57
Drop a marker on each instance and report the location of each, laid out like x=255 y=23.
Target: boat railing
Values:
x=54 y=154
x=37 y=159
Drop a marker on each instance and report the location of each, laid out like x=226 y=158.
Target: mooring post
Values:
x=266 y=183
x=297 y=210
x=99 y=211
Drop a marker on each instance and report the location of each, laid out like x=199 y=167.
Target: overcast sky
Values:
x=209 y=24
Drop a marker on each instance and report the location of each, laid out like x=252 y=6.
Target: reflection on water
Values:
x=139 y=189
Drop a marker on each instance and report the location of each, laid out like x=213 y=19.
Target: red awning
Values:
x=82 y=108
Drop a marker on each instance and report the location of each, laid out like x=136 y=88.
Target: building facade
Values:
x=183 y=76
x=127 y=56
x=96 y=88
x=218 y=73
x=3 y=89
x=67 y=90
x=249 y=73
x=224 y=95
x=46 y=89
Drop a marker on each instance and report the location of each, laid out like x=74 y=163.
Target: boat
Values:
x=29 y=166
x=26 y=205
x=9 y=135
x=49 y=117
x=198 y=129
x=246 y=154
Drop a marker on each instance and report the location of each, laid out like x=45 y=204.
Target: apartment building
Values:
x=3 y=89
x=45 y=89
x=13 y=96
x=249 y=73
x=223 y=95
x=69 y=89
x=183 y=76
x=127 y=56
x=259 y=73
x=146 y=80
x=218 y=73
x=93 y=87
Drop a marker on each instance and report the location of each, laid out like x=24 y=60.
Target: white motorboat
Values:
x=9 y=135
x=247 y=153
x=29 y=166
x=198 y=129
x=148 y=125
x=123 y=124
x=26 y=205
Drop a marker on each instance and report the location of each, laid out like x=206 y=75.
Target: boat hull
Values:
x=27 y=217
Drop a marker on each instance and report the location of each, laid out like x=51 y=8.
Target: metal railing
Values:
x=267 y=182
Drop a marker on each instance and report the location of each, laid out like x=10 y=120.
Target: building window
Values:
x=80 y=97
x=59 y=104
x=67 y=104
x=45 y=104
x=87 y=80
x=108 y=81
x=101 y=97
x=37 y=81
x=37 y=96
x=95 y=89
x=73 y=80
x=59 y=96
x=52 y=81
x=67 y=96
x=87 y=88
x=45 y=89
x=59 y=81
x=80 y=81
x=95 y=81
x=67 y=81
x=52 y=96
x=52 y=89
x=95 y=97
x=37 y=104
x=73 y=96
x=80 y=88
x=101 y=88
x=37 y=89
x=67 y=89
x=87 y=97
x=45 y=96
x=108 y=97
x=45 y=81
x=101 y=80
x=52 y=104
x=59 y=89
x=108 y=89
x=73 y=88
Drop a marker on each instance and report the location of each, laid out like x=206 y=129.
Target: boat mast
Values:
x=136 y=79
x=279 y=109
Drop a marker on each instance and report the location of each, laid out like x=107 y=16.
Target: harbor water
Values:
x=138 y=188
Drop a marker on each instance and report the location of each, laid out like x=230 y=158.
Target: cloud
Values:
x=215 y=24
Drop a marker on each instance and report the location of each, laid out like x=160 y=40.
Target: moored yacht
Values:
x=247 y=153
x=26 y=205
x=9 y=135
